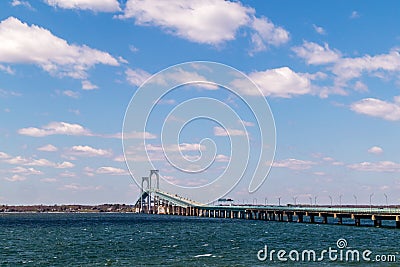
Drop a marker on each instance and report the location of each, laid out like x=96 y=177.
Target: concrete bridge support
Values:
x=377 y=221
x=300 y=218
x=324 y=218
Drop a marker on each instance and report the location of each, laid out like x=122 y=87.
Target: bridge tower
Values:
x=142 y=190
x=156 y=200
x=156 y=173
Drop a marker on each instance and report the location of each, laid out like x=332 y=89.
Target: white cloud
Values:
x=375 y=150
x=166 y=102
x=75 y=111
x=48 y=180
x=266 y=33
x=5 y=93
x=94 y=5
x=7 y=69
x=39 y=162
x=222 y=158
x=350 y=68
x=294 y=164
x=360 y=86
x=381 y=166
x=111 y=171
x=78 y=187
x=48 y=148
x=16 y=160
x=70 y=93
x=208 y=22
x=220 y=131
x=180 y=75
x=19 y=160
x=87 y=85
x=21 y=3
x=280 y=82
x=133 y=48
x=246 y=123
x=21 y=43
x=354 y=15
x=88 y=171
x=378 y=108
x=65 y=165
x=15 y=178
x=314 y=54
x=89 y=151
x=136 y=77
x=4 y=155
x=319 y=30
x=25 y=171
x=180 y=147
x=65 y=128
x=53 y=128
x=119 y=158
x=132 y=135
x=68 y=174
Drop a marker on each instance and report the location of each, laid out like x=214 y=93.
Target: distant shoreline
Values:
x=75 y=208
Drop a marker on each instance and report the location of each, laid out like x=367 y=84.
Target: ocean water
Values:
x=113 y=239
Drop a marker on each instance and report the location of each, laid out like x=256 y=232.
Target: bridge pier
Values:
x=357 y=221
x=377 y=221
x=312 y=219
x=324 y=218
x=300 y=218
x=397 y=221
x=339 y=217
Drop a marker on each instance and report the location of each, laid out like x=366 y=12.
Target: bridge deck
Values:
x=177 y=205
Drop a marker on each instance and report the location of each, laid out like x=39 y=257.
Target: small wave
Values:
x=203 y=255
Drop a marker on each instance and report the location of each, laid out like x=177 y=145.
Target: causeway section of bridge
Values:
x=156 y=201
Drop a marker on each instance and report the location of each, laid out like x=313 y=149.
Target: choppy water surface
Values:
x=160 y=240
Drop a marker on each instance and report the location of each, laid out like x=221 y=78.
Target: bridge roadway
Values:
x=167 y=203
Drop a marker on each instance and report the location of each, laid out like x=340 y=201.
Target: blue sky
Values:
x=329 y=70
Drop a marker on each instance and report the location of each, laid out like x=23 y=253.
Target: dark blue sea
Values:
x=117 y=239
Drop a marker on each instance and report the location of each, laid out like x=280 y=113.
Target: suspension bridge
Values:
x=152 y=200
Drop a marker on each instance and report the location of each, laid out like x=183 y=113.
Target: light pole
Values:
x=266 y=201
x=255 y=200
x=340 y=200
x=355 y=197
x=370 y=200
x=295 y=200
x=330 y=197
x=315 y=200
x=310 y=200
x=279 y=201
x=386 y=200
